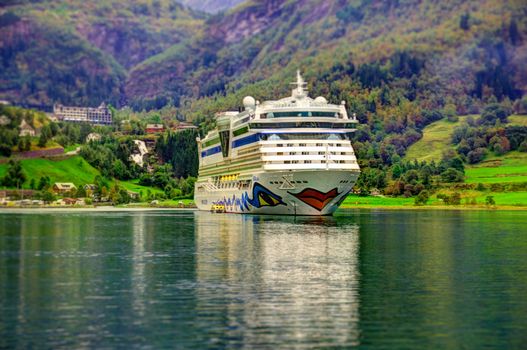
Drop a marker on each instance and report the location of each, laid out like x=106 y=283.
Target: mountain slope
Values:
x=421 y=47
x=82 y=48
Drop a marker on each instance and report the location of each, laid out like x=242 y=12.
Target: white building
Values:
x=98 y=116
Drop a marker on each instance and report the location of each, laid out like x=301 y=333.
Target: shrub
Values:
x=422 y=198
x=5 y=151
x=489 y=200
x=452 y=175
x=494 y=112
x=476 y=155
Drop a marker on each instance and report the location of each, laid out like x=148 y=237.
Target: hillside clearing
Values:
x=436 y=138
x=435 y=141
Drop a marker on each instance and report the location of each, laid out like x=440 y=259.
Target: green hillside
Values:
x=74 y=169
x=435 y=141
x=437 y=137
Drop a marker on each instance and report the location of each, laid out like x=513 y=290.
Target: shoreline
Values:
x=101 y=209
x=176 y=208
x=436 y=207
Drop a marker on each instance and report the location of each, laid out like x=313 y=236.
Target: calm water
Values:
x=169 y=279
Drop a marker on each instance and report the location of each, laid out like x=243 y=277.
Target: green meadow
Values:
x=511 y=167
x=74 y=169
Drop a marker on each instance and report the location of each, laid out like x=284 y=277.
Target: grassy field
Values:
x=135 y=187
x=518 y=120
x=436 y=140
x=374 y=201
x=502 y=199
x=74 y=169
x=71 y=147
x=511 y=167
x=34 y=145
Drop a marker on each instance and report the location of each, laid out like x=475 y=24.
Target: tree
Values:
x=21 y=145
x=489 y=200
x=14 y=177
x=81 y=192
x=422 y=198
x=452 y=175
x=464 y=21
x=494 y=112
x=44 y=183
x=450 y=112
x=43 y=140
x=5 y=150
x=27 y=143
x=48 y=196
x=476 y=155
x=514 y=34
x=396 y=171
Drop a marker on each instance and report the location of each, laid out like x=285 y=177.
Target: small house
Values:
x=93 y=137
x=91 y=187
x=26 y=129
x=154 y=128
x=64 y=187
x=133 y=195
x=184 y=126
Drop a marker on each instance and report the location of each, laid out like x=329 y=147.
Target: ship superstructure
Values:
x=291 y=156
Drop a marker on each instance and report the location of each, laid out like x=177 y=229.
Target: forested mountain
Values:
x=409 y=54
x=430 y=49
x=79 y=52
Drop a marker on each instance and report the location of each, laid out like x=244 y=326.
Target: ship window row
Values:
x=304 y=145
x=312 y=162
x=289 y=125
x=291 y=114
x=346 y=181
x=304 y=136
x=310 y=153
x=293 y=182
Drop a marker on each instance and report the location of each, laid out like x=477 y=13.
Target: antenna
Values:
x=300 y=90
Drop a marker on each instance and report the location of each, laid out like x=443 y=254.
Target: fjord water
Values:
x=182 y=279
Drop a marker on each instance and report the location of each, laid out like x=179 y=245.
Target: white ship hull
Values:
x=283 y=193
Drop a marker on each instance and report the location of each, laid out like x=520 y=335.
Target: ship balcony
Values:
x=308 y=155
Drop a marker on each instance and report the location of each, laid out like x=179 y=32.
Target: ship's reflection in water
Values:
x=277 y=280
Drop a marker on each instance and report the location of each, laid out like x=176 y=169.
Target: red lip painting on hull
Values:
x=315 y=198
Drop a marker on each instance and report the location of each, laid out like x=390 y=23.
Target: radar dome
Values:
x=321 y=99
x=249 y=102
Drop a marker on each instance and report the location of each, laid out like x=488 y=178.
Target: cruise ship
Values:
x=292 y=156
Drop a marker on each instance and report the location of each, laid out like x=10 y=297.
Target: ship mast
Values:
x=300 y=91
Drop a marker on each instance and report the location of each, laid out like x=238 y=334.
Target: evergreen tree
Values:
x=514 y=34
x=464 y=21
x=14 y=177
